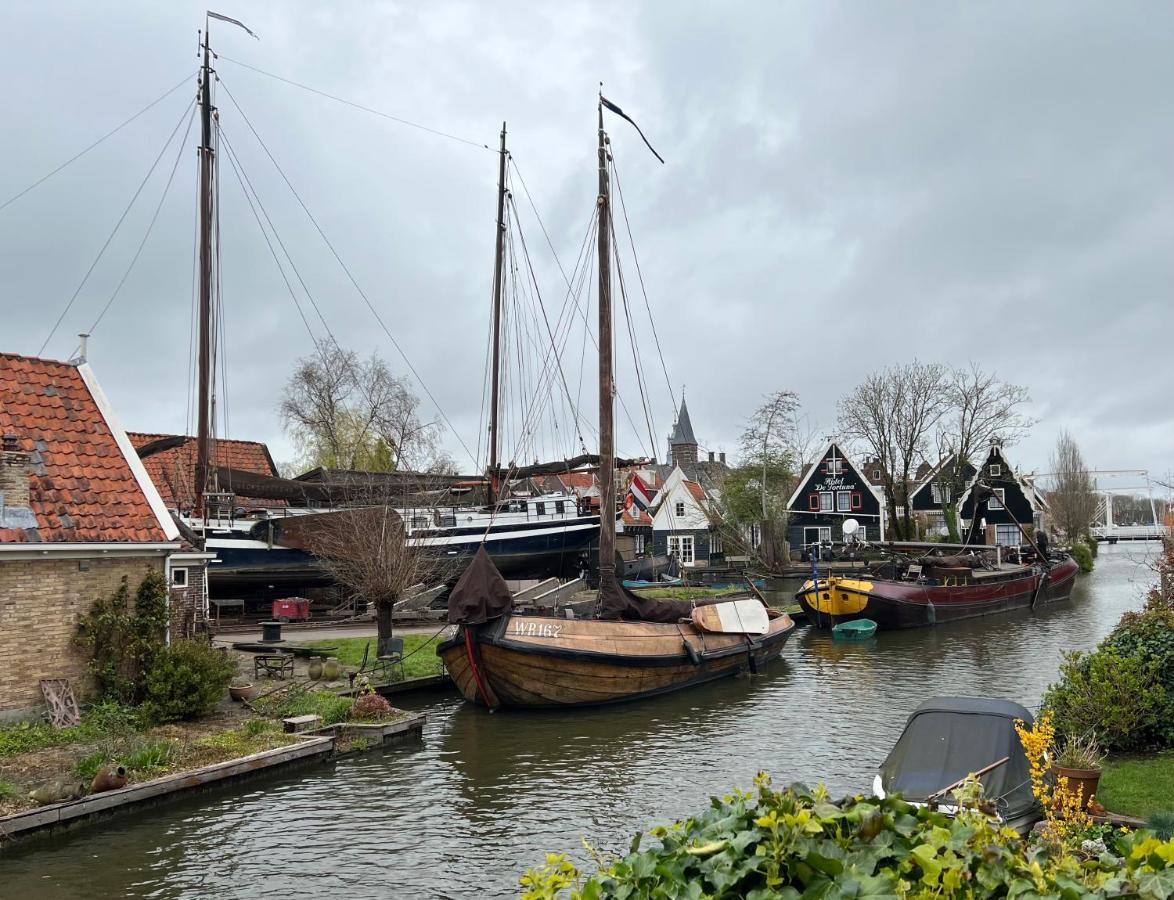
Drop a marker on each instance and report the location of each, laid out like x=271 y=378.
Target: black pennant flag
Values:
x=623 y=115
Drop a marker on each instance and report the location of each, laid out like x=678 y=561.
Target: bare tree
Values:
x=893 y=415
x=1074 y=498
x=979 y=408
x=367 y=551
x=768 y=451
x=348 y=413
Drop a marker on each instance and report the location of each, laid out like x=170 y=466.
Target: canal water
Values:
x=488 y=794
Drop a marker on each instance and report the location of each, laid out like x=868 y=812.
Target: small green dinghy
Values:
x=856 y=630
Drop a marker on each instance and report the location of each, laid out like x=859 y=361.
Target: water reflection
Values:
x=487 y=794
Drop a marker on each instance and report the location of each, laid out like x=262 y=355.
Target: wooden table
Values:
x=273 y=665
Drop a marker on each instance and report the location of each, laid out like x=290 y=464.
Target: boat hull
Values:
x=541 y=662
x=907 y=604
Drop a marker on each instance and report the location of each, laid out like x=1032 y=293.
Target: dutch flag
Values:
x=640 y=492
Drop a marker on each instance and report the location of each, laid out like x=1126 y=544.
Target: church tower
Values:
x=682 y=442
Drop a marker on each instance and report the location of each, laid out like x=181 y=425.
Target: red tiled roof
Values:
x=578 y=479
x=634 y=515
x=81 y=487
x=696 y=490
x=173 y=471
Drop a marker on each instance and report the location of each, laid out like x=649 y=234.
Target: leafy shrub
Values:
x=298 y=701
x=1161 y=824
x=792 y=843
x=1082 y=556
x=123 y=639
x=1117 y=696
x=186 y=680
x=8 y=790
x=371 y=707
x=87 y=767
x=105 y=719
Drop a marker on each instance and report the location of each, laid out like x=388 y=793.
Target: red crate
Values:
x=291 y=609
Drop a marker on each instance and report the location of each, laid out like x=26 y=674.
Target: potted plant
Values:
x=241 y=691
x=1079 y=760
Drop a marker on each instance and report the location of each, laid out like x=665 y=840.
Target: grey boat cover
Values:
x=947 y=738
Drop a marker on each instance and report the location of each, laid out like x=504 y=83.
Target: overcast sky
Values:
x=847 y=185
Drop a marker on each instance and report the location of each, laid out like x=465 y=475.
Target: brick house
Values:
x=78 y=514
x=170 y=460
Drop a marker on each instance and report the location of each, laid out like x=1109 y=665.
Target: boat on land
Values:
x=931 y=584
x=947 y=739
x=634 y=647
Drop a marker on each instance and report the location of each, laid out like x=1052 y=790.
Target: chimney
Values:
x=711 y=456
x=83 y=342
x=15 y=469
x=722 y=457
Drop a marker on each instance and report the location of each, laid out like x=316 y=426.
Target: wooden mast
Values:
x=204 y=345
x=495 y=377
x=607 y=449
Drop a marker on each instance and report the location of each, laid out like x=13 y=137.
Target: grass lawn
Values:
x=416 y=664
x=1138 y=785
x=690 y=593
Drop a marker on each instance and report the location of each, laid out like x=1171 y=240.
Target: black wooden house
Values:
x=1015 y=503
x=932 y=492
x=831 y=491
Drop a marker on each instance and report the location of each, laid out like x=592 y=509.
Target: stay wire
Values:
x=277 y=235
x=351 y=277
x=367 y=109
x=242 y=180
x=640 y=276
x=150 y=225
x=108 y=134
x=114 y=231
x=640 y=384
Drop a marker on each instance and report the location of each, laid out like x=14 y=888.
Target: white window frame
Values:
x=996 y=470
x=1007 y=535
x=835 y=465
x=938 y=491
x=179 y=577
x=679 y=509
x=715 y=543
x=843 y=501
x=638 y=544
x=827 y=501
x=681 y=546
x=1000 y=502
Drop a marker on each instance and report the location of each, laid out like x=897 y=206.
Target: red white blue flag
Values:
x=641 y=493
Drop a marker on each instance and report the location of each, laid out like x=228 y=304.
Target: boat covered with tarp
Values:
x=948 y=738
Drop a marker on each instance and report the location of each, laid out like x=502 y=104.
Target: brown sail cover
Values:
x=617 y=602
x=481 y=593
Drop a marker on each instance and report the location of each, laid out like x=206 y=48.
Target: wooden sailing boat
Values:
x=637 y=647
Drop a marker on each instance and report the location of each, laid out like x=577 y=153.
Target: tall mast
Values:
x=607 y=448
x=495 y=388
x=204 y=345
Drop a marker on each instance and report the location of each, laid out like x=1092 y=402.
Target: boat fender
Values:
x=692 y=652
x=931 y=614
x=753 y=663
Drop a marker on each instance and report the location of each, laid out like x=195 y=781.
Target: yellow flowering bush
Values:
x=1065 y=816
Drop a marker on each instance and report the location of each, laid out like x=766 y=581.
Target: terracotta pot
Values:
x=240 y=692
x=1082 y=781
x=110 y=778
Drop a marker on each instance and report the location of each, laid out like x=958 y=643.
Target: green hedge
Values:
x=794 y=843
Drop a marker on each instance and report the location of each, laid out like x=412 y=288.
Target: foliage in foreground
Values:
x=99 y=721
x=795 y=843
x=1082 y=556
x=186 y=680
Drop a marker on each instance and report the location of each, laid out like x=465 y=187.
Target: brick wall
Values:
x=41 y=601
x=14 y=477
x=187 y=603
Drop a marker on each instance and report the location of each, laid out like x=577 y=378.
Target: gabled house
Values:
x=170 y=460
x=931 y=493
x=78 y=515
x=683 y=523
x=1016 y=502
x=830 y=491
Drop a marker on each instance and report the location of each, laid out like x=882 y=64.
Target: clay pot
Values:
x=331 y=669
x=110 y=778
x=57 y=791
x=240 y=692
x=1082 y=781
x=315 y=669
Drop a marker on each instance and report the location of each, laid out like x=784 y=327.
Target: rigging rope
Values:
x=114 y=231
x=150 y=225
x=108 y=134
x=351 y=277
x=367 y=109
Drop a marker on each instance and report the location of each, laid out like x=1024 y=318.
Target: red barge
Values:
x=934 y=589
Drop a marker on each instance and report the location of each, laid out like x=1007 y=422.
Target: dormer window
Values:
x=996 y=470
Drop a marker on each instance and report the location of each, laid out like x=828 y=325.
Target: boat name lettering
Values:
x=538 y=629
